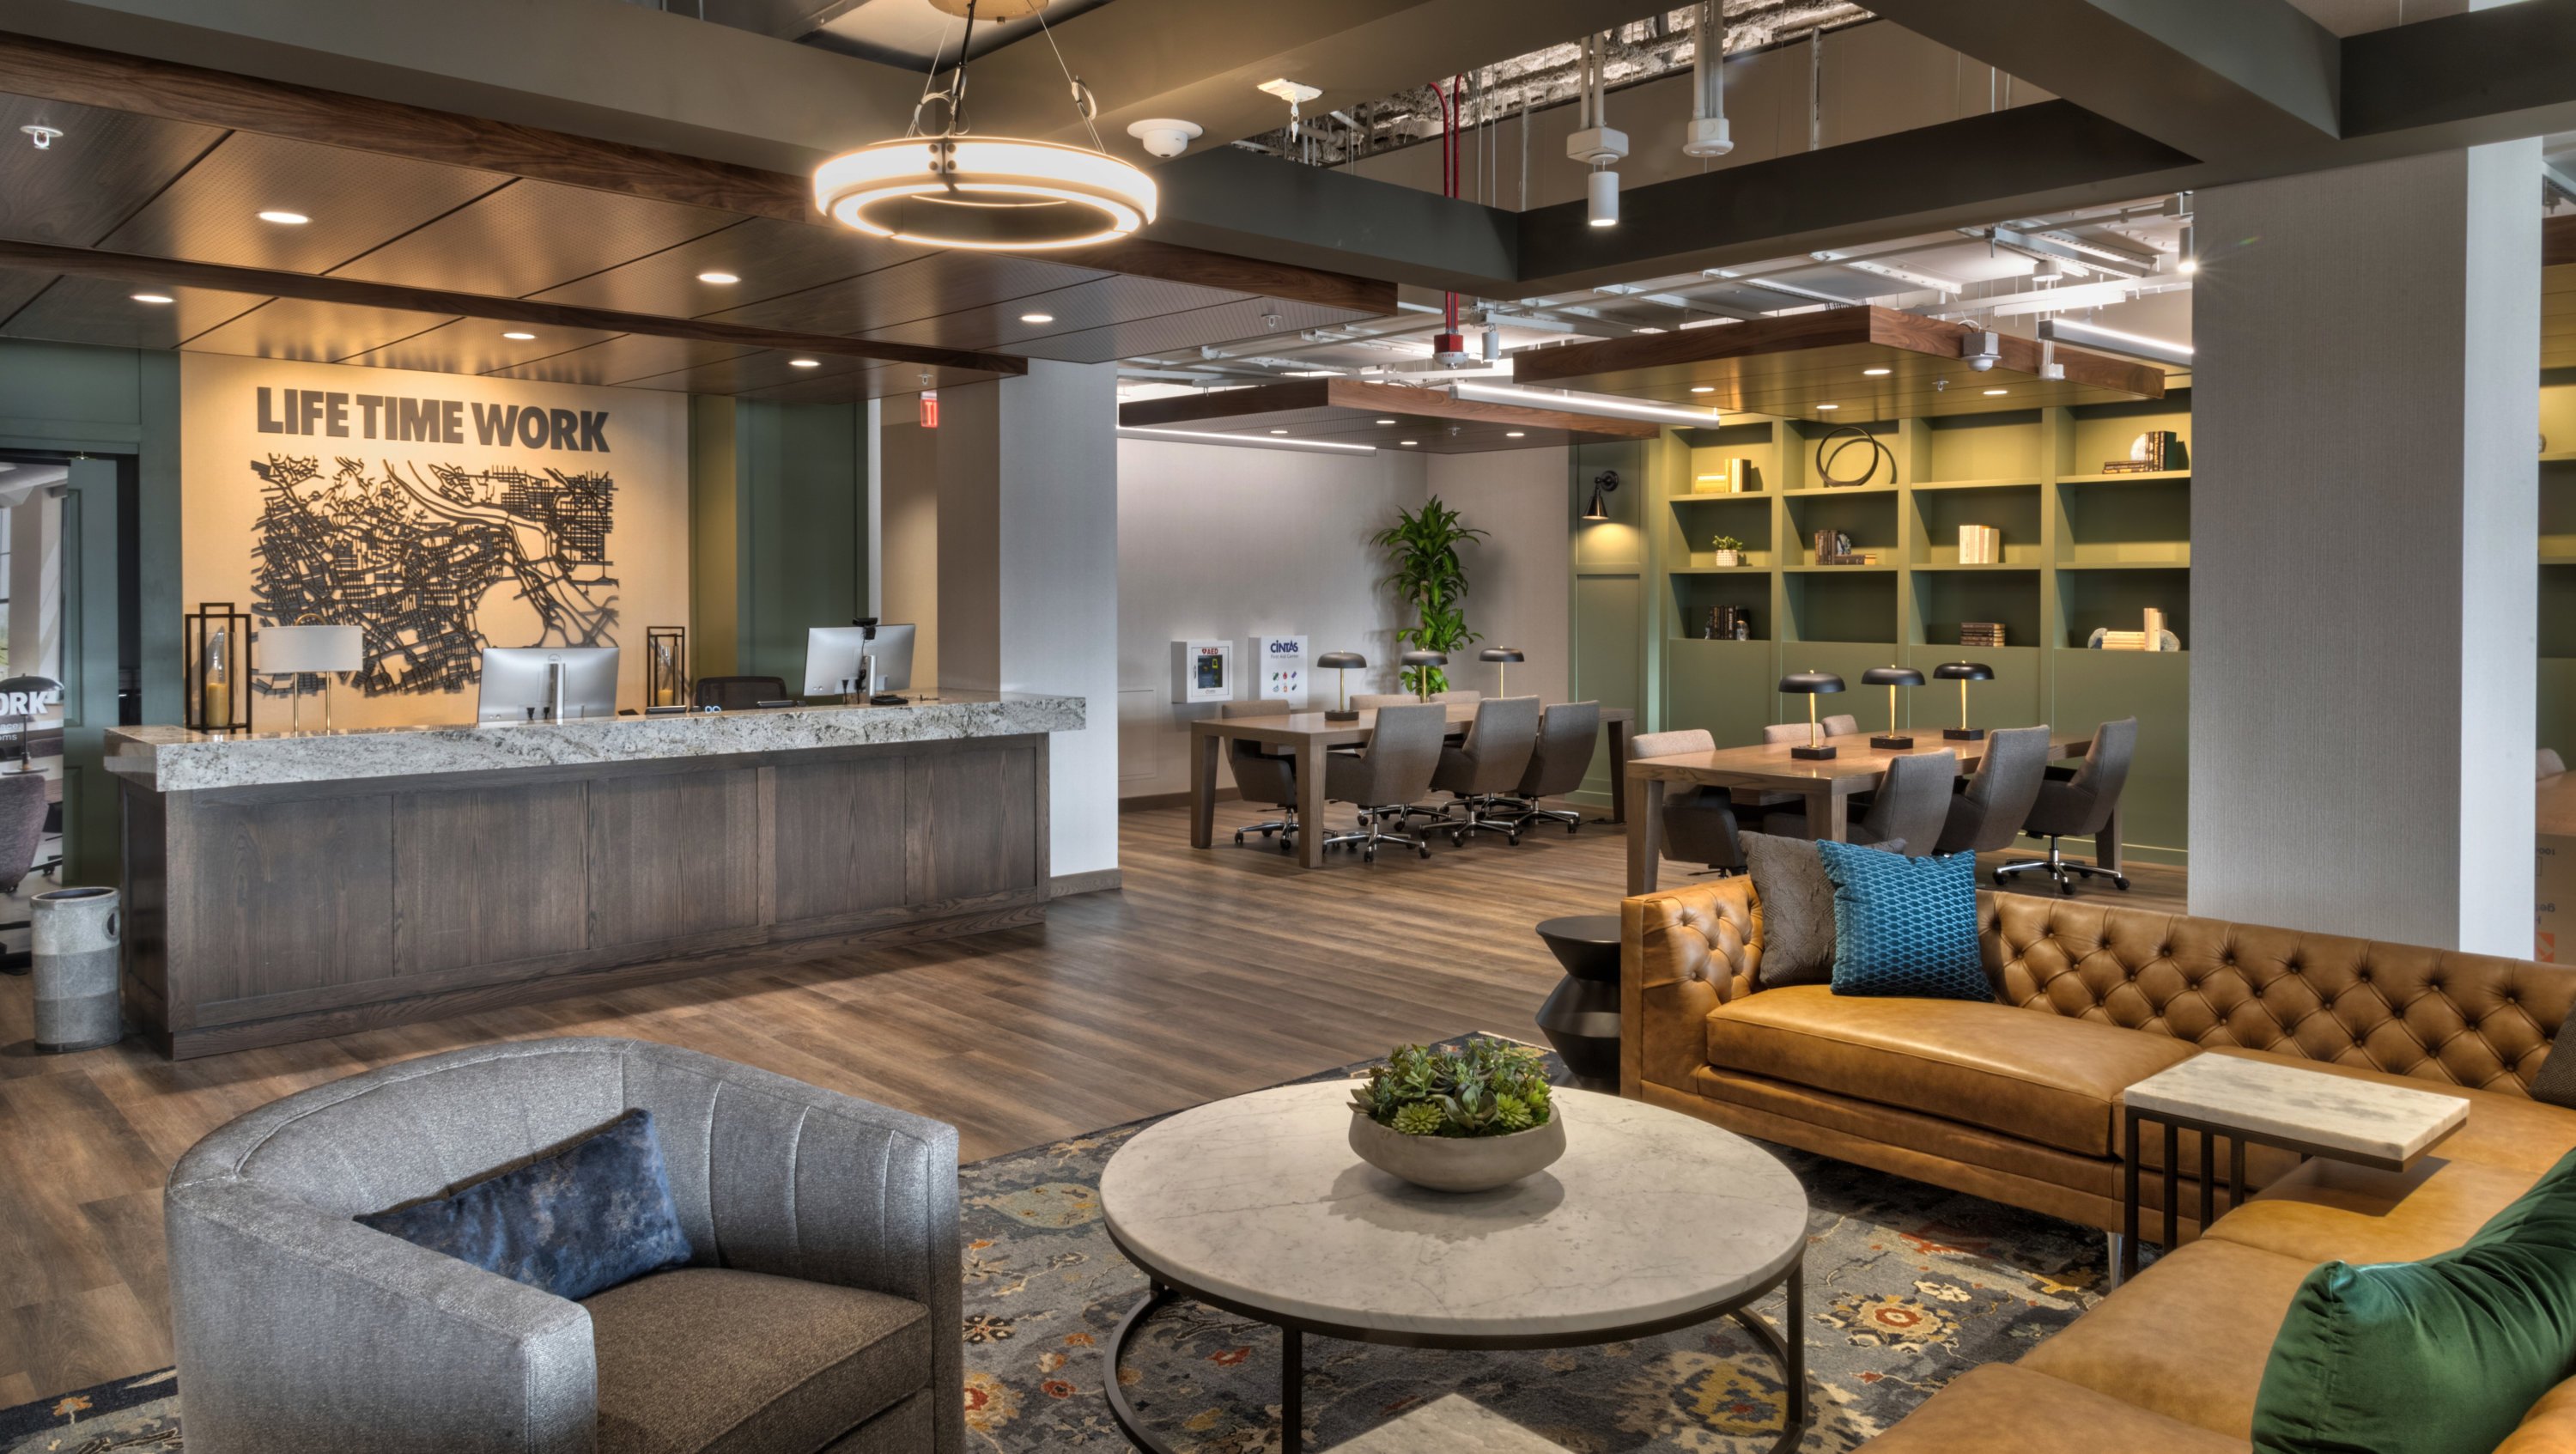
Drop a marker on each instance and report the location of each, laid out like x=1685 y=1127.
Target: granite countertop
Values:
x=174 y=759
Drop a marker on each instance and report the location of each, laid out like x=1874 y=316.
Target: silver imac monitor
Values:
x=518 y=683
x=832 y=659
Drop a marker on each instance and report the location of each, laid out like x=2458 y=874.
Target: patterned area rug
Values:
x=1907 y=1286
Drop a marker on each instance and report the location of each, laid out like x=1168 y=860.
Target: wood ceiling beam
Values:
x=112 y=80
x=170 y=272
x=2215 y=78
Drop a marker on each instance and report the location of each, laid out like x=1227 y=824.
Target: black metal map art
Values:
x=415 y=554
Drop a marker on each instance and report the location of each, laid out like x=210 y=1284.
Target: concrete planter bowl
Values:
x=1459 y=1163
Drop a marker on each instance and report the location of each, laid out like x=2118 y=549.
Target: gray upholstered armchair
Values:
x=819 y=1313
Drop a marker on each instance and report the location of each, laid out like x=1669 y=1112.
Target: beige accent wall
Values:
x=908 y=506
x=644 y=581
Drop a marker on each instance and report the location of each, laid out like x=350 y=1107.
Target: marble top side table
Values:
x=2238 y=1100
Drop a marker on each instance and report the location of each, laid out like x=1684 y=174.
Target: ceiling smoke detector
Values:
x=43 y=136
x=1165 y=136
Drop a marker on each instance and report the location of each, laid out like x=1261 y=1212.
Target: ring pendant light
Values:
x=950 y=188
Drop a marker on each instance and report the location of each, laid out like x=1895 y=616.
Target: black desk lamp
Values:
x=1811 y=685
x=1501 y=657
x=1891 y=677
x=1422 y=662
x=1964 y=672
x=1340 y=664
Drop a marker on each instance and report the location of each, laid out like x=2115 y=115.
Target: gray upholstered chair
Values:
x=1487 y=767
x=1568 y=733
x=1363 y=701
x=1842 y=724
x=820 y=1311
x=1264 y=774
x=2549 y=763
x=1988 y=815
x=1458 y=694
x=1699 y=822
x=1912 y=803
x=1383 y=781
x=1779 y=732
x=2079 y=804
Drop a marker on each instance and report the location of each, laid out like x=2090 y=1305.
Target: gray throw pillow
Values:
x=1797 y=908
x=2555 y=1085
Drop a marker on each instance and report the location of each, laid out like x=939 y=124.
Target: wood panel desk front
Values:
x=1825 y=786
x=1310 y=737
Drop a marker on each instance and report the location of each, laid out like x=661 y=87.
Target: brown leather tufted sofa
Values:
x=2019 y=1101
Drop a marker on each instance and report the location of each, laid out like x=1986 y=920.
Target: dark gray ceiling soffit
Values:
x=2215 y=78
x=1230 y=200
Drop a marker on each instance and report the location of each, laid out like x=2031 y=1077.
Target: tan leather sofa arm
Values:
x=1682 y=952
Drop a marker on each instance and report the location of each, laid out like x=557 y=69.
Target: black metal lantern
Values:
x=217 y=640
x=666 y=666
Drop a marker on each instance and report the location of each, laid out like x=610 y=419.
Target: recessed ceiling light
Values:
x=804 y=363
x=718 y=278
x=1821 y=407
x=1515 y=433
x=153 y=298
x=285 y=219
x=1037 y=318
x=1876 y=373
x=517 y=336
x=1386 y=421
x=1991 y=393
x=1703 y=388
x=1411 y=442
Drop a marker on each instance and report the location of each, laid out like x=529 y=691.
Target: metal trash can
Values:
x=75 y=933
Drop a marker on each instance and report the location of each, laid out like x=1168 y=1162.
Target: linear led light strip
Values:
x=1600 y=404
x=1319 y=446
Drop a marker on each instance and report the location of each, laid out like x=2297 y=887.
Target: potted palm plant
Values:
x=1428 y=576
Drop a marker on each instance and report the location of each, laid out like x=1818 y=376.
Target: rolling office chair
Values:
x=1841 y=724
x=1988 y=814
x=1485 y=769
x=739 y=694
x=23 y=815
x=1912 y=804
x=2549 y=762
x=1699 y=825
x=1264 y=775
x=2078 y=804
x=1383 y=780
x=1567 y=735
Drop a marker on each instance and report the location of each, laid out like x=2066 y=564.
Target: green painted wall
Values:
x=800 y=491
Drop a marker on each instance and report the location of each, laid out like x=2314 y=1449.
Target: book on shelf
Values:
x=1980 y=545
x=2128 y=467
x=2156 y=449
x=2124 y=641
x=1982 y=633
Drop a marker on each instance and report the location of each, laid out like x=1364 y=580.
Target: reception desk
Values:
x=283 y=887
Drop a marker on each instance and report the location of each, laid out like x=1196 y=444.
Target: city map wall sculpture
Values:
x=412 y=553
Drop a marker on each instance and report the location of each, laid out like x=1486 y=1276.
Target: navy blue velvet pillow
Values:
x=1905 y=926
x=572 y=1222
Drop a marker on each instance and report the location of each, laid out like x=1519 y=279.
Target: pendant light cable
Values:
x=1080 y=92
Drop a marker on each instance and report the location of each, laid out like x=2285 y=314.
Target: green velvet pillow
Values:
x=2442 y=1356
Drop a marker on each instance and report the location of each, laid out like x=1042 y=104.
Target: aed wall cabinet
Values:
x=1202 y=671
x=1278 y=667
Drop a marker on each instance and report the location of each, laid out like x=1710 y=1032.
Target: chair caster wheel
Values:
x=1424 y=850
x=2066 y=890
x=1569 y=830
x=1457 y=840
x=1514 y=839
x=2122 y=880
x=1286 y=843
x=1238 y=838
x=1368 y=855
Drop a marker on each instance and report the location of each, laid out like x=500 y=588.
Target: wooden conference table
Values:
x=1311 y=737
x=1826 y=786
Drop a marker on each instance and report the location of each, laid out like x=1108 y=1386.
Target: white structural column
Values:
x=2365 y=412
x=1028 y=573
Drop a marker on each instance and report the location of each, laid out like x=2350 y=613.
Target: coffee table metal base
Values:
x=1789 y=1352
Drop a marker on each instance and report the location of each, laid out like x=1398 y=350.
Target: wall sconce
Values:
x=1602 y=484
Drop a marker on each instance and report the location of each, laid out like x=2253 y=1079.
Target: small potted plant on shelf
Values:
x=1726 y=550
x=1470 y=1119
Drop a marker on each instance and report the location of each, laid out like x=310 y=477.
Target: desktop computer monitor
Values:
x=516 y=683
x=832 y=658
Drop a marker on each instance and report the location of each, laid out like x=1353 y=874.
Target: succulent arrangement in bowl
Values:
x=1463 y=1120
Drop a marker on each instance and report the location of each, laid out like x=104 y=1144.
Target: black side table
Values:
x=1581 y=1018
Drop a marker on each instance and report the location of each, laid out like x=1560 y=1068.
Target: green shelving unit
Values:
x=2080 y=549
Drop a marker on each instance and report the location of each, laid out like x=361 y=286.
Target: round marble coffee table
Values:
x=1652 y=1220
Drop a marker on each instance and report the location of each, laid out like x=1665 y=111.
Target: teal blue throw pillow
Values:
x=2442 y=1356
x=1905 y=927
x=576 y=1221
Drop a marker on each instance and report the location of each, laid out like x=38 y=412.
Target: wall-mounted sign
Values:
x=1278 y=665
x=439 y=513
x=1202 y=671
x=930 y=408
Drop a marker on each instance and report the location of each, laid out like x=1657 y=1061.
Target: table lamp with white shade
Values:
x=295 y=650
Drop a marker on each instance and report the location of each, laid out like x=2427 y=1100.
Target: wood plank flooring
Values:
x=1208 y=975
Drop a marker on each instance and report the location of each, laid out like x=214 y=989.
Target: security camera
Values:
x=1164 y=136
x=1982 y=351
